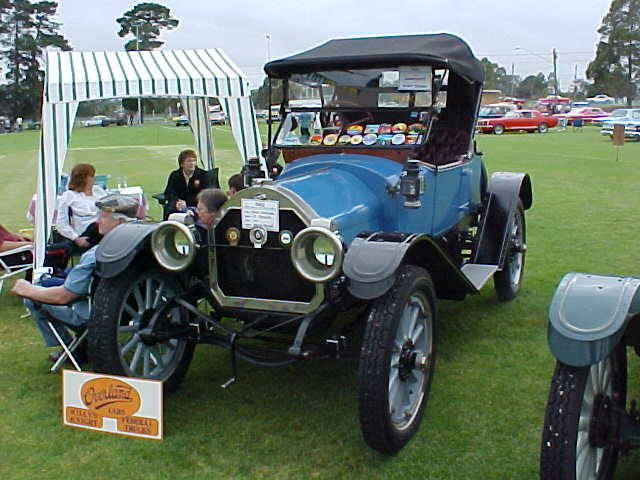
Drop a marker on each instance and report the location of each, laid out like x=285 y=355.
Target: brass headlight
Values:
x=317 y=254
x=173 y=245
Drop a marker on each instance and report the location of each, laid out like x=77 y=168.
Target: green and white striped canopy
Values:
x=191 y=75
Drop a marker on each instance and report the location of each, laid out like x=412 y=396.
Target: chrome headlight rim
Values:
x=159 y=242
x=309 y=268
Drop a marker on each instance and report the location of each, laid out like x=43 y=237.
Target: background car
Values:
x=587 y=114
x=631 y=128
x=601 y=99
x=94 y=121
x=495 y=110
x=217 y=118
x=517 y=120
x=182 y=121
x=619 y=115
x=105 y=121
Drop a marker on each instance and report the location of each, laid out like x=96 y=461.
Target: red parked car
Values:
x=530 y=120
x=587 y=114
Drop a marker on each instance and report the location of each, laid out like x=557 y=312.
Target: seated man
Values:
x=67 y=303
x=236 y=183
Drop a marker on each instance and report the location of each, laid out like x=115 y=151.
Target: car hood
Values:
x=349 y=189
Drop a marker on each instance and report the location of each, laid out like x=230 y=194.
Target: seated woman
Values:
x=185 y=183
x=77 y=211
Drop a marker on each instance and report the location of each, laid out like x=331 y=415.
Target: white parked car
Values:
x=94 y=121
x=629 y=117
x=601 y=98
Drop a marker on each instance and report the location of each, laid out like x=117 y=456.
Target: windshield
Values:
x=370 y=107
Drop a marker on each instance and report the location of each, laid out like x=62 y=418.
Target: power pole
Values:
x=555 y=72
x=513 y=79
x=140 y=121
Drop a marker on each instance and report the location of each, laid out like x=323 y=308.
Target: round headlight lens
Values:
x=181 y=243
x=323 y=251
x=316 y=254
x=173 y=245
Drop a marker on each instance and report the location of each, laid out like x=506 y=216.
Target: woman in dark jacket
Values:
x=185 y=183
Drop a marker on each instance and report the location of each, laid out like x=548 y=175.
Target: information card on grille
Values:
x=260 y=213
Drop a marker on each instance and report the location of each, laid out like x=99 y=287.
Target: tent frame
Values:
x=193 y=76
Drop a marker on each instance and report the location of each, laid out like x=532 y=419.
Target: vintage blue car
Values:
x=383 y=206
x=592 y=320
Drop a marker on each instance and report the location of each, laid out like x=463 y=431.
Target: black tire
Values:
x=508 y=281
x=384 y=343
x=115 y=322
x=543 y=128
x=498 y=129
x=564 y=440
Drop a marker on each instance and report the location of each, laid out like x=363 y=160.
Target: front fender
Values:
x=588 y=316
x=504 y=191
x=373 y=258
x=120 y=246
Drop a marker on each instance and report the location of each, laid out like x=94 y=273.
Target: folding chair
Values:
x=80 y=336
x=14 y=262
x=68 y=350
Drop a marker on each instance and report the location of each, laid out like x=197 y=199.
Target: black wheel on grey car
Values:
x=507 y=281
x=122 y=308
x=577 y=420
x=498 y=129
x=543 y=128
x=397 y=361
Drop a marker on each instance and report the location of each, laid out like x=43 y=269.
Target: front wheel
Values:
x=123 y=306
x=576 y=426
x=543 y=128
x=498 y=129
x=508 y=281
x=397 y=361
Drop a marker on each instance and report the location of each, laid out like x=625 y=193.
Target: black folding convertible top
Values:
x=440 y=50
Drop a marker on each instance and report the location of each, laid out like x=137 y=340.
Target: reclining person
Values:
x=11 y=241
x=67 y=303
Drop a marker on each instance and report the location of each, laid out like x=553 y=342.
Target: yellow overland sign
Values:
x=125 y=406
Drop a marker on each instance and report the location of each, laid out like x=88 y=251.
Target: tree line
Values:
x=28 y=27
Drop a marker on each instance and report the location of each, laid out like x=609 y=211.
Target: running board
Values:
x=478 y=274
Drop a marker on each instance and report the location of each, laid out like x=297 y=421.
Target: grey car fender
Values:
x=371 y=262
x=588 y=316
x=120 y=246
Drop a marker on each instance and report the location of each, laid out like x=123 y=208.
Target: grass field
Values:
x=493 y=367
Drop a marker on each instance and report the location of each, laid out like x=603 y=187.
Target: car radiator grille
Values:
x=265 y=273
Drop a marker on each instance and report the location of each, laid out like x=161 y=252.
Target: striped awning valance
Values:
x=76 y=76
x=190 y=75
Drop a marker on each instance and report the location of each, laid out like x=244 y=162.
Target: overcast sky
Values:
x=492 y=28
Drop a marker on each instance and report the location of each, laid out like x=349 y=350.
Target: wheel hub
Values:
x=145 y=333
x=407 y=360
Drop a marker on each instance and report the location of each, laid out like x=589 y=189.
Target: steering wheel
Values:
x=325 y=117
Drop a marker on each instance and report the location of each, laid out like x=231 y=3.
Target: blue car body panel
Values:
x=356 y=192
